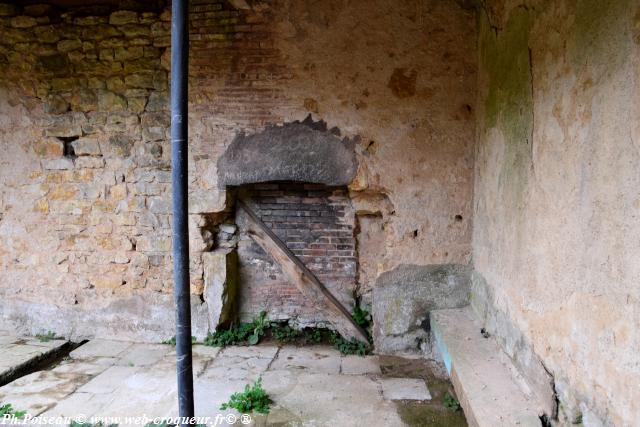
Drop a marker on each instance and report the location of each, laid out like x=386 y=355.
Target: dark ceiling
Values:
x=98 y=5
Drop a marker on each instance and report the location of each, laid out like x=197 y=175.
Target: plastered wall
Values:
x=557 y=196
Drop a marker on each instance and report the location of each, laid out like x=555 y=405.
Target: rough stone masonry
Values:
x=520 y=117
x=85 y=197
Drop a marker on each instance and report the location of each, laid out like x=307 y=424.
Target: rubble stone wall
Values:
x=84 y=172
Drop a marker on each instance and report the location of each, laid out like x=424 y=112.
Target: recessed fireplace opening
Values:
x=287 y=242
x=316 y=222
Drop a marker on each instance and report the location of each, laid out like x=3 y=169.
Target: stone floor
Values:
x=18 y=353
x=310 y=386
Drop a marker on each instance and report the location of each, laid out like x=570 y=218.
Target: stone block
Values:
x=65 y=126
x=84 y=100
x=153 y=244
x=90 y=20
x=200 y=239
x=56 y=104
x=126 y=54
x=112 y=42
x=122 y=17
x=58 y=164
x=483 y=377
x=404 y=296
x=86 y=146
x=68 y=45
x=54 y=64
x=23 y=22
x=228 y=228
x=159 y=205
x=64 y=83
x=140 y=41
x=207 y=201
x=135 y=31
x=110 y=101
x=404 y=389
x=133 y=204
x=105 y=54
x=154 y=126
x=49 y=147
x=118 y=192
x=140 y=65
x=137 y=104
x=47 y=34
x=107 y=281
x=122 y=144
x=296 y=152
x=158 y=101
x=220 y=289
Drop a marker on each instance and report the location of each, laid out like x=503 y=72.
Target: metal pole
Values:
x=179 y=146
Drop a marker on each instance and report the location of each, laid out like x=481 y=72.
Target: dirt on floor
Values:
x=440 y=411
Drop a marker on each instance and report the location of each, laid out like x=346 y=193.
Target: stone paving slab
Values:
x=316 y=359
x=339 y=400
x=314 y=385
x=404 y=389
x=109 y=381
x=358 y=365
x=17 y=353
x=39 y=391
x=100 y=348
x=143 y=355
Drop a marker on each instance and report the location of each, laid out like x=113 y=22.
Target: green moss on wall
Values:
x=508 y=98
x=505 y=59
x=601 y=35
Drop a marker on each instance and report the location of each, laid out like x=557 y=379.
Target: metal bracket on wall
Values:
x=306 y=282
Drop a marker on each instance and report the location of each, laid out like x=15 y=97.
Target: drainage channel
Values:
x=41 y=362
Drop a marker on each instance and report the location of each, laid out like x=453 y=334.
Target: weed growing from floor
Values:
x=315 y=335
x=7 y=410
x=46 y=336
x=236 y=334
x=253 y=399
x=352 y=346
x=285 y=333
x=260 y=325
x=241 y=333
x=451 y=402
x=251 y=334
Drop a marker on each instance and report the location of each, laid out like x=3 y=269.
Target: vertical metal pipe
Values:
x=179 y=147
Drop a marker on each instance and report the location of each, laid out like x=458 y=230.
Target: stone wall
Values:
x=556 y=236
x=84 y=180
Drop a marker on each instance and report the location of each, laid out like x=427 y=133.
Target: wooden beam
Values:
x=306 y=282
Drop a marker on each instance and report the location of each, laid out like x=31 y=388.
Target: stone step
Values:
x=482 y=378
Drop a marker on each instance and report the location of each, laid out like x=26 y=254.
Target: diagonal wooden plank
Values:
x=306 y=282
